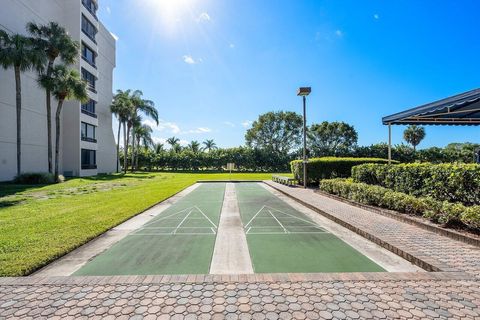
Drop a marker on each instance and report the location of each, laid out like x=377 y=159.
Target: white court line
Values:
x=174 y=231
x=170 y=234
x=285 y=230
x=309 y=222
x=153 y=228
x=270 y=233
x=256 y=214
x=167 y=217
x=206 y=216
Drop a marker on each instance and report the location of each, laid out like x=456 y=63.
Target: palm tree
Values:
x=414 y=135
x=20 y=53
x=177 y=148
x=209 y=145
x=66 y=84
x=173 y=141
x=121 y=107
x=143 y=133
x=147 y=107
x=55 y=42
x=194 y=146
x=158 y=148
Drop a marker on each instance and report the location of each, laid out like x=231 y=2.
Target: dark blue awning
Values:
x=460 y=110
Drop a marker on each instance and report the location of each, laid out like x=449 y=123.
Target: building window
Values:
x=91 y=6
x=88 y=55
x=90 y=78
x=88 y=132
x=89 y=108
x=88 y=28
x=89 y=159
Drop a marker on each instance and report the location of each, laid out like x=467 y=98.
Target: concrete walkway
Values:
x=231 y=255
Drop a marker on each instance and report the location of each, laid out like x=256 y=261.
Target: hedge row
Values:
x=444 y=182
x=438 y=211
x=329 y=167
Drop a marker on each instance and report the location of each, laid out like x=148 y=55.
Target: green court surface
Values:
x=282 y=239
x=178 y=241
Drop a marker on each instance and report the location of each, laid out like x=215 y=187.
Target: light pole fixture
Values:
x=304 y=92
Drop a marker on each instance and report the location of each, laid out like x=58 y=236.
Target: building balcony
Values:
x=88 y=113
x=87 y=139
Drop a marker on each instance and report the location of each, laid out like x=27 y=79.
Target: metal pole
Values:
x=304 y=142
x=389 y=143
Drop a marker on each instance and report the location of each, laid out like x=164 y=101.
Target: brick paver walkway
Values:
x=453 y=293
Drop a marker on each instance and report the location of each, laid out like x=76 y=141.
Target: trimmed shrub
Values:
x=444 y=182
x=329 y=167
x=443 y=212
x=35 y=178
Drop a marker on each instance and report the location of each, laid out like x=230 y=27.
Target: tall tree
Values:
x=147 y=107
x=414 y=135
x=158 y=148
x=143 y=135
x=66 y=84
x=209 y=145
x=55 y=42
x=121 y=107
x=18 y=52
x=277 y=132
x=332 y=138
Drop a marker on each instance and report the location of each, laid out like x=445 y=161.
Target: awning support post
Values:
x=389 y=143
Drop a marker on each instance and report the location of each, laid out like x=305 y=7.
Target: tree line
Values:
x=273 y=141
x=49 y=51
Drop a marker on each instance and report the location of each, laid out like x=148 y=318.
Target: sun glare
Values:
x=169 y=12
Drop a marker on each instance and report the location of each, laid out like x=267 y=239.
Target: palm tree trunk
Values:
x=18 y=89
x=133 y=150
x=136 y=156
x=118 y=143
x=49 y=118
x=125 y=158
x=124 y=139
x=57 y=137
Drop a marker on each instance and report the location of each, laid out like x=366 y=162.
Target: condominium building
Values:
x=87 y=140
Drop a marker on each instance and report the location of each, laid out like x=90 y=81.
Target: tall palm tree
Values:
x=19 y=52
x=66 y=84
x=147 y=107
x=121 y=107
x=209 y=145
x=194 y=146
x=177 y=148
x=143 y=133
x=55 y=42
x=173 y=141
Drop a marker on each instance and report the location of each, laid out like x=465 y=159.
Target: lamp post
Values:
x=304 y=92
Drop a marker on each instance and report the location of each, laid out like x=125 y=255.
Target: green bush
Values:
x=444 y=182
x=35 y=178
x=438 y=211
x=329 y=167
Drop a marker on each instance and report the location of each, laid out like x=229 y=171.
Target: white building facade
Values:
x=87 y=140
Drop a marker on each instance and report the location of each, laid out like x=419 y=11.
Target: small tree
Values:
x=66 y=84
x=414 y=135
x=121 y=107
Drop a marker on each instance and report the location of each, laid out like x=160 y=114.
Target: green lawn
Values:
x=40 y=224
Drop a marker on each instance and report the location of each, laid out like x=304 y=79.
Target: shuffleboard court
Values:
x=282 y=239
x=178 y=241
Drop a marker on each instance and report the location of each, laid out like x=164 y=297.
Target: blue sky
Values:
x=213 y=66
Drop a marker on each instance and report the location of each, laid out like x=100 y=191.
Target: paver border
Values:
x=403 y=217
x=232 y=278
